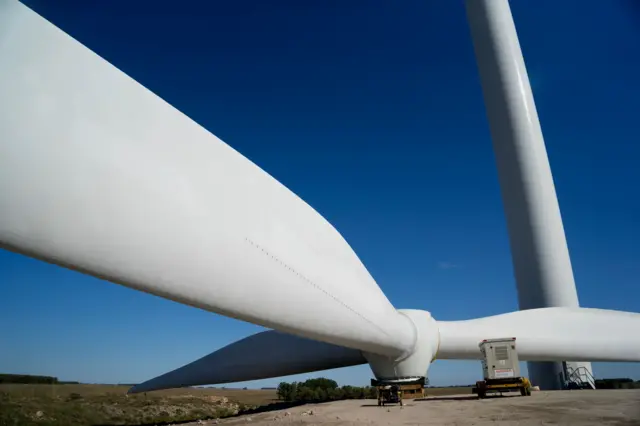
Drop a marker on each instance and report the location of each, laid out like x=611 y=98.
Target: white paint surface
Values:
x=541 y=261
x=263 y=355
x=548 y=334
x=100 y=175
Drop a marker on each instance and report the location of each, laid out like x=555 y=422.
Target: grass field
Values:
x=74 y=405
x=109 y=405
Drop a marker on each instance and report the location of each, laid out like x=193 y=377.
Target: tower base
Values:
x=546 y=375
x=561 y=375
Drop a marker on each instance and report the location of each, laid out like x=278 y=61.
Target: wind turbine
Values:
x=100 y=175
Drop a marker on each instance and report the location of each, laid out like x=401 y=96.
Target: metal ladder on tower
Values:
x=578 y=378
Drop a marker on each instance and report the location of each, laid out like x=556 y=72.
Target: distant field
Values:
x=109 y=405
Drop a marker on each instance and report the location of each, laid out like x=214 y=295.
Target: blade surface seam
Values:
x=313 y=284
x=52 y=187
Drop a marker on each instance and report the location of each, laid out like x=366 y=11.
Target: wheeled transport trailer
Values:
x=484 y=387
x=389 y=394
x=393 y=391
x=501 y=368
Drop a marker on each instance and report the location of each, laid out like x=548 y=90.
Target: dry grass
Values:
x=109 y=405
x=249 y=397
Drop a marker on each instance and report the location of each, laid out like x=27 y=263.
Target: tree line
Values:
x=322 y=389
x=617 y=384
x=29 y=379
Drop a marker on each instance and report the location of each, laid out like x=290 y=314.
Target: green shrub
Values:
x=320 y=390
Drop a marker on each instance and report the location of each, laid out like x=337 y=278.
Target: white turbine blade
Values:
x=261 y=356
x=100 y=175
x=548 y=334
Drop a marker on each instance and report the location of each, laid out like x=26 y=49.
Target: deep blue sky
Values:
x=372 y=112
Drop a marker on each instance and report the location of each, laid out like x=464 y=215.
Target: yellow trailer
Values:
x=500 y=368
x=486 y=386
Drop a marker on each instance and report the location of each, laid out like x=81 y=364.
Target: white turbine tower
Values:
x=100 y=175
x=539 y=249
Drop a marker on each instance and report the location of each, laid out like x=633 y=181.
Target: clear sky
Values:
x=372 y=112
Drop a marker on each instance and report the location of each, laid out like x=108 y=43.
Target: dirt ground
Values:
x=599 y=407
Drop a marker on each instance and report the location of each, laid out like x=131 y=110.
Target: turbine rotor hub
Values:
x=415 y=363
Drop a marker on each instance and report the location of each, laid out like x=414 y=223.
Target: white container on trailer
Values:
x=499 y=358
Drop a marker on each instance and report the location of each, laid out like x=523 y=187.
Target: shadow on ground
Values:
x=386 y=405
x=467 y=397
x=452 y=398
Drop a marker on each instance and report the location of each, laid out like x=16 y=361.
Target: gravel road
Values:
x=585 y=408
